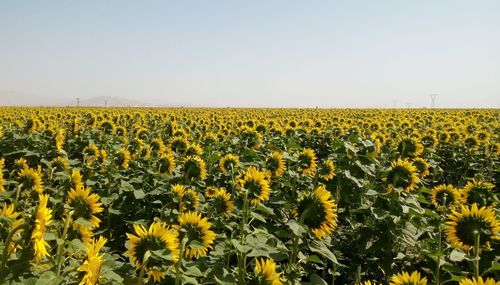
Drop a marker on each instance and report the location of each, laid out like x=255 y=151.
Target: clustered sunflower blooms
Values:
x=157 y=237
x=307 y=161
x=445 y=197
x=403 y=175
x=318 y=211
x=255 y=184
x=265 y=271
x=471 y=222
x=43 y=219
x=405 y=278
x=91 y=267
x=197 y=228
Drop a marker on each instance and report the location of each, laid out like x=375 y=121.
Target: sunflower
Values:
x=402 y=174
x=368 y=282
x=249 y=137
x=276 y=163
x=492 y=149
x=85 y=205
x=307 y=161
x=265 y=271
x=197 y=229
x=43 y=219
x=221 y=201
x=194 y=149
x=479 y=281
x=422 y=167
x=445 y=197
x=91 y=153
x=135 y=147
x=59 y=139
x=2 y=187
x=59 y=163
x=188 y=198
x=157 y=146
x=462 y=227
x=92 y=265
x=256 y=185
x=13 y=222
x=31 y=180
x=75 y=180
x=194 y=168
x=410 y=147
x=405 y=278
x=158 y=237
x=326 y=170
x=179 y=145
x=228 y=163
x=166 y=163
x=123 y=158
x=479 y=192
x=471 y=143
x=318 y=211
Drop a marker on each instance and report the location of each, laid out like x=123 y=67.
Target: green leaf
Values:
x=49 y=278
x=296 y=228
x=321 y=248
x=139 y=194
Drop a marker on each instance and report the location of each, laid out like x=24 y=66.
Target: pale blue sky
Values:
x=254 y=53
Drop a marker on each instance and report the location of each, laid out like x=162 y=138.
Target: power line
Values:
x=433 y=100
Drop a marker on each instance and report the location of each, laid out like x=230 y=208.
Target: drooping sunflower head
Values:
x=276 y=163
x=266 y=274
x=464 y=227
x=326 y=170
x=479 y=281
x=402 y=175
x=197 y=229
x=221 y=203
x=91 y=153
x=21 y=164
x=158 y=237
x=135 y=147
x=446 y=197
x=405 y=278
x=7 y=225
x=368 y=282
x=479 y=192
x=249 y=137
x=194 y=149
x=307 y=161
x=422 y=167
x=410 y=147
x=31 y=180
x=318 y=211
x=255 y=184
x=91 y=267
x=157 y=146
x=59 y=139
x=43 y=218
x=123 y=158
x=85 y=205
x=228 y=163
x=166 y=163
x=59 y=163
x=429 y=140
x=194 y=168
x=179 y=145
x=75 y=180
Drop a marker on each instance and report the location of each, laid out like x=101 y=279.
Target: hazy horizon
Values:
x=283 y=53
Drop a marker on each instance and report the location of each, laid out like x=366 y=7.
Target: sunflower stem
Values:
x=178 y=265
x=438 y=261
x=144 y=264
x=476 y=253
x=61 y=245
x=5 y=254
x=241 y=255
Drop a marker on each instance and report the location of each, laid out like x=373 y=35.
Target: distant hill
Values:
x=109 y=101
x=25 y=99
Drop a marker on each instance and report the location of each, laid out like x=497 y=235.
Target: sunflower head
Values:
x=307 y=161
x=326 y=170
x=157 y=237
x=410 y=147
x=471 y=143
x=479 y=281
x=194 y=168
x=266 y=274
x=12 y=221
x=123 y=158
x=402 y=175
x=43 y=218
x=59 y=163
x=196 y=229
x=405 y=278
x=276 y=163
x=318 y=211
x=91 y=267
x=464 y=227
x=221 y=203
x=479 y=192
x=229 y=163
x=179 y=145
x=249 y=137
x=422 y=167
x=194 y=149
x=31 y=180
x=85 y=205
x=445 y=197
x=255 y=184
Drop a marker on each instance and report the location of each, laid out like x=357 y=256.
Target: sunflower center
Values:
x=478 y=195
x=82 y=208
x=468 y=227
x=400 y=177
x=311 y=212
x=445 y=198
x=253 y=187
x=305 y=161
x=220 y=205
x=150 y=243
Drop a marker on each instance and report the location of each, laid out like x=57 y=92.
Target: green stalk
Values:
x=5 y=254
x=178 y=265
x=60 y=246
x=334 y=270
x=476 y=254
x=144 y=264
x=438 y=261
x=241 y=255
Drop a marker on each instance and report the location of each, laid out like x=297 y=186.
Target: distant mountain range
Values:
x=24 y=99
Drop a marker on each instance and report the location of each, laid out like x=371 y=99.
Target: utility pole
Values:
x=433 y=100
x=106 y=103
x=78 y=102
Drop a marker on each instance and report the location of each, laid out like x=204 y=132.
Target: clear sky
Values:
x=275 y=53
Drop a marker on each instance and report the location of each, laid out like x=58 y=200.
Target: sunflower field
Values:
x=249 y=196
